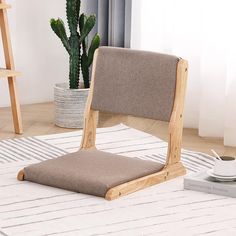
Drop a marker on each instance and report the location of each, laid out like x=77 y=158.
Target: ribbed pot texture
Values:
x=69 y=106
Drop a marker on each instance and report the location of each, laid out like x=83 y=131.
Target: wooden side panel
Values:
x=170 y=172
x=90 y=116
x=10 y=65
x=176 y=121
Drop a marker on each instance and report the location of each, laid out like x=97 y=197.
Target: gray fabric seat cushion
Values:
x=91 y=172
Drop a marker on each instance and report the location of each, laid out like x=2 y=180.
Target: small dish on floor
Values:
x=220 y=177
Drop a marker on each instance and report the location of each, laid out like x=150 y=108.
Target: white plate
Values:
x=220 y=177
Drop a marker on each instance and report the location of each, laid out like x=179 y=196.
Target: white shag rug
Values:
x=166 y=209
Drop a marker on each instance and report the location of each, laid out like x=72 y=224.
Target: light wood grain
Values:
x=4 y=6
x=20 y=175
x=8 y=73
x=9 y=61
x=90 y=116
x=169 y=172
x=176 y=120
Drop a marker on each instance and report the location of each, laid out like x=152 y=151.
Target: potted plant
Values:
x=70 y=98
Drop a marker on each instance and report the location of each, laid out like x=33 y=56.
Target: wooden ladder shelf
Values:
x=9 y=72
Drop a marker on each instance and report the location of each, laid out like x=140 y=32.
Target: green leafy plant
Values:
x=80 y=26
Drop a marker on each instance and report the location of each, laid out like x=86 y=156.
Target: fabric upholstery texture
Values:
x=91 y=172
x=126 y=82
x=135 y=83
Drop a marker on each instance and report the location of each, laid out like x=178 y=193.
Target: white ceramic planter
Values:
x=69 y=106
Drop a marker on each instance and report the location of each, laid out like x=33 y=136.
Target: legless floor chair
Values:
x=124 y=81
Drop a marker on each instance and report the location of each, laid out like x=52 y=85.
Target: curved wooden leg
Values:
x=21 y=175
x=169 y=172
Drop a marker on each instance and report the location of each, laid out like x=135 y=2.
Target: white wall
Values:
x=38 y=53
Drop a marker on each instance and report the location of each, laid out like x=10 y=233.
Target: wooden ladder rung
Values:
x=8 y=73
x=4 y=6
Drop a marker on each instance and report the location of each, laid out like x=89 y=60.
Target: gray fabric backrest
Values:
x=135 y=83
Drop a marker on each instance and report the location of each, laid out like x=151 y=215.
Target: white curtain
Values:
x=204 y=33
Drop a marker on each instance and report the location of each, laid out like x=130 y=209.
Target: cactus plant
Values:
x=76 y=41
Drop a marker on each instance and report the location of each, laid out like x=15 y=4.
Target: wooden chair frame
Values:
x=173 y=166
